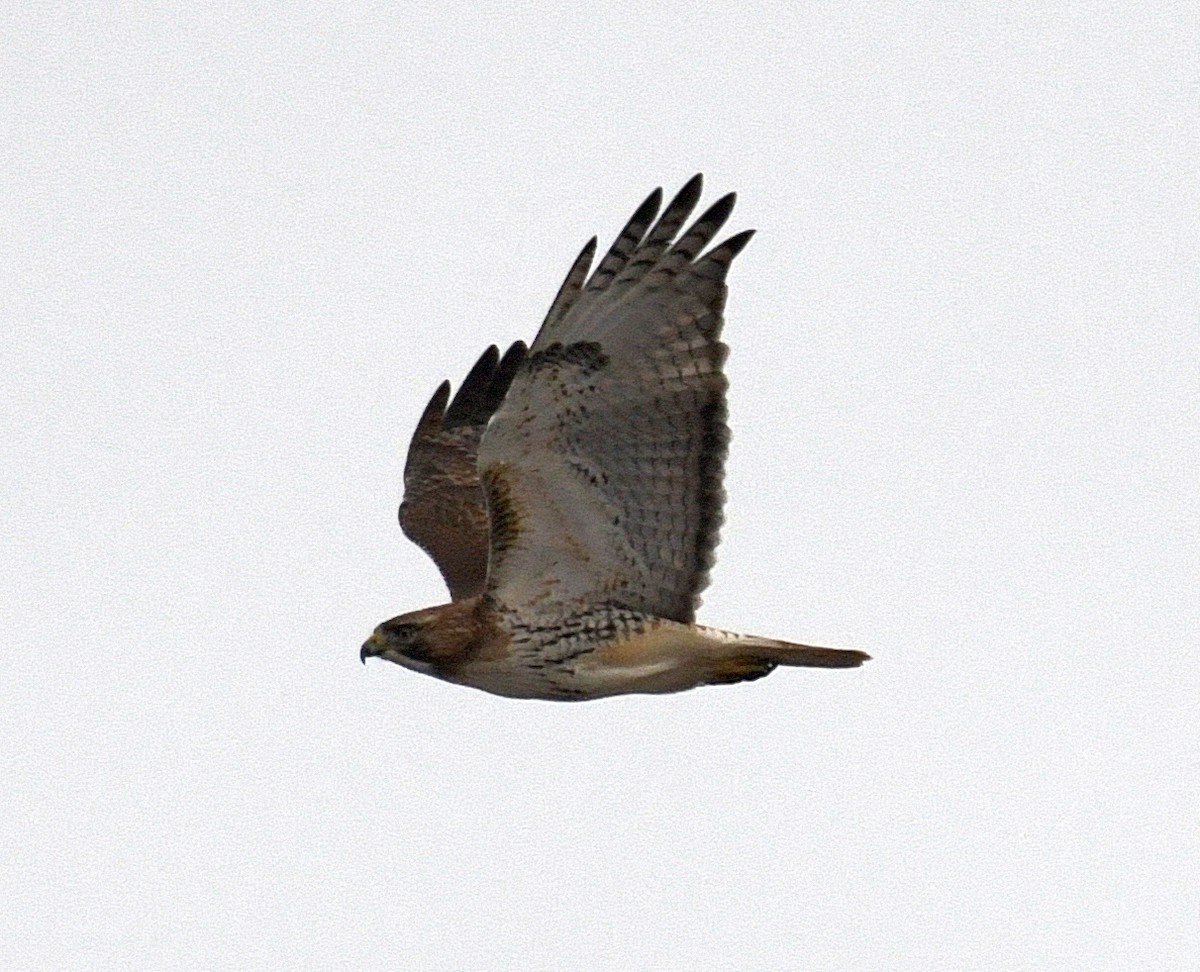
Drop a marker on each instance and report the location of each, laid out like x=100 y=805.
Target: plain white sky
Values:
x=241 y=246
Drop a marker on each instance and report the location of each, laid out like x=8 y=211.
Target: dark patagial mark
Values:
x=503 y=511
x=586 y=356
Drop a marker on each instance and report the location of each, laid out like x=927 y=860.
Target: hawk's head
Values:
x=423 y=640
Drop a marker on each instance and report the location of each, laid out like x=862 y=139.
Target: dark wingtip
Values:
x=435 y=410
x=719 y=211
x=646 y=212
x=689 y=195
x=736 y=243
x=507 y=369
x=587 y=252
x=471 y=397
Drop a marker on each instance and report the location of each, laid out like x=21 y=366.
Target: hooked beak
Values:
x=372 y=647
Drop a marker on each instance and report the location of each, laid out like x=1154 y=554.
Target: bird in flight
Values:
x=570 y=492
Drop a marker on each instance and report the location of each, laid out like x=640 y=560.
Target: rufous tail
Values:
x=807 y=656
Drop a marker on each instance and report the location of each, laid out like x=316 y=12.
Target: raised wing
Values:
x=443 y=511
x=603 y=466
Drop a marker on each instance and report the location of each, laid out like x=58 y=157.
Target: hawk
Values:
x=570 y=493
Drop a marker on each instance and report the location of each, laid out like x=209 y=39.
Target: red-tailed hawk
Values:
x=571 y=492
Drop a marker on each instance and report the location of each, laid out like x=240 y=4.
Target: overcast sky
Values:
x=241 y=247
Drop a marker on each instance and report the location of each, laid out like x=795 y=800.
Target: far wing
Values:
x=443 y=511
x=603 y=467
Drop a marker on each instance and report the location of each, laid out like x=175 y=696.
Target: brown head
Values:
x=426 y=641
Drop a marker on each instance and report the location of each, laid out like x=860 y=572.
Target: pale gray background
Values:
x=240 y=247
